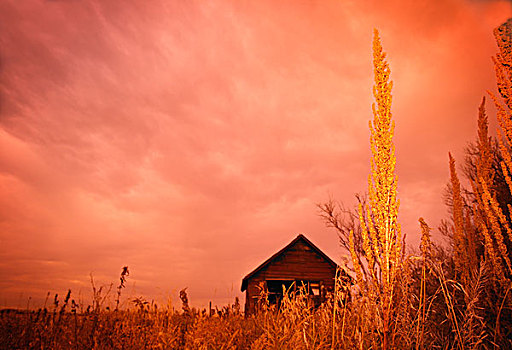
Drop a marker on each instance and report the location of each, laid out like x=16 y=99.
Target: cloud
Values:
x=190 y=141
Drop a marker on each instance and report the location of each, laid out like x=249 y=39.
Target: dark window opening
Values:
x=275 y=290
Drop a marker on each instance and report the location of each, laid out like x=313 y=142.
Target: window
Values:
x=275 y=289
x=314 y=288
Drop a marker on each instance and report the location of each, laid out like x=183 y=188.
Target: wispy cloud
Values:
x=190 y=140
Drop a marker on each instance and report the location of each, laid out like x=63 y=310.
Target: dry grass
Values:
x=432 y=311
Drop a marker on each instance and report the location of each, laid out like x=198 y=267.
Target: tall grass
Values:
x=434 y=312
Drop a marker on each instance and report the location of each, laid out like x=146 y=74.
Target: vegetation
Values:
x=455 y=298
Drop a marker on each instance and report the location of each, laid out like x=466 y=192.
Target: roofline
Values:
x=266 y=262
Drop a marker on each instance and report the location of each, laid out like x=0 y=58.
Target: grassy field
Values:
x=432 y=311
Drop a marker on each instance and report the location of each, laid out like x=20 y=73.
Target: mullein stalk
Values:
x=382 y=239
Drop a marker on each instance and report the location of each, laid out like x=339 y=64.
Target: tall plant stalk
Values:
x=382 y=239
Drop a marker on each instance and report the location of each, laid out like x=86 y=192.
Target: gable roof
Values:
x=300 y=237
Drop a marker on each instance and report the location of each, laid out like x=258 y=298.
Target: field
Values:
x=432 y=312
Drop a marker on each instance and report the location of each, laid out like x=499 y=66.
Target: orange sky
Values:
x=190 y=140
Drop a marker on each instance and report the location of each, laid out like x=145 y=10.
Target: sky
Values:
x=191 y=140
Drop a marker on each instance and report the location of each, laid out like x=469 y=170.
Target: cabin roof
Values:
x=276 y=255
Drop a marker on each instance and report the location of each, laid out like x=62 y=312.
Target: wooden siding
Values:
x=299 y=261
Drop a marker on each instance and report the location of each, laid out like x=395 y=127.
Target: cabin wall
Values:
x=252 y=294
x=299 y=262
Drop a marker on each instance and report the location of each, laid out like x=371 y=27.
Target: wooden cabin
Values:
x=300 y=262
